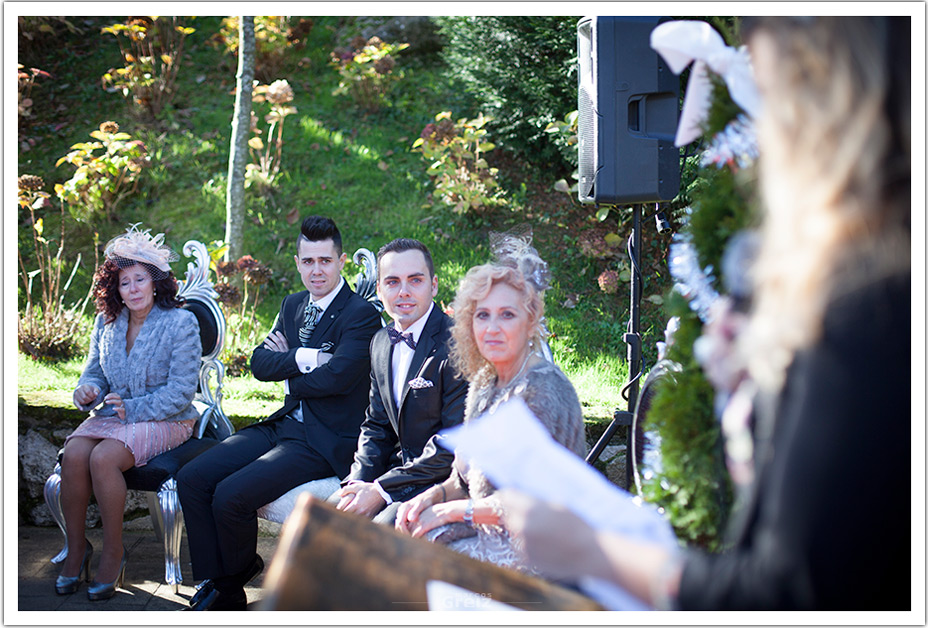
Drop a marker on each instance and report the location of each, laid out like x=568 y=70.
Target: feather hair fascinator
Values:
x=514 y=248
x=136 y=245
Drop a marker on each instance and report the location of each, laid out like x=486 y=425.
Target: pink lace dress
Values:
x=145 y=440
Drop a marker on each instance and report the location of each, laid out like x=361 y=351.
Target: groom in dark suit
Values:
x=414 y=390
x=319 y=349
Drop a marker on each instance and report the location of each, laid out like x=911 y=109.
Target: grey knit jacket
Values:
x=158 y=379
x=548 y=394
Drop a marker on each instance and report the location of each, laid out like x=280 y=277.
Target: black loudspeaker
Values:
x=628 y=112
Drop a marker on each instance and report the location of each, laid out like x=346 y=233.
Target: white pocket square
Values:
x=420 y=382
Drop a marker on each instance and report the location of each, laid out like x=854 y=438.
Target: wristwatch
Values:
x=469 y=513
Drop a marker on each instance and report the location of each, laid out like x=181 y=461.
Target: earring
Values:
x=155 y=293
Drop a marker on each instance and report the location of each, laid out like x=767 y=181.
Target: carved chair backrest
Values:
x=366 y=280
x=201 y=299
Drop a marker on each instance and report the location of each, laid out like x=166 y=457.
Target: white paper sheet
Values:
x=516 y=451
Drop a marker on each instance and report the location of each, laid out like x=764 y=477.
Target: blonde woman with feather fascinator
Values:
x=498 y=342
x=138 y=386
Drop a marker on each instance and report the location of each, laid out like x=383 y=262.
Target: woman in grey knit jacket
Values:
x=138 y=384
x=498 y=335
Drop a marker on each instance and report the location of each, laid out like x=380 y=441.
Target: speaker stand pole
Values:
x=633 y=340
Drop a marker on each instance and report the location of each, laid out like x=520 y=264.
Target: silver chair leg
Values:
x=53 y=501
x=172 y=527
x=157 y=519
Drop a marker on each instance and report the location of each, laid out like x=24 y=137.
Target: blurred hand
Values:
x=116 y=402
x=276 y=341
x=552 y=538
x=436 y=516
x=84 y=395
x=361 y=498
x=562 y=545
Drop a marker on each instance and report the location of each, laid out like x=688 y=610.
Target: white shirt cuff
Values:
x=307 y=359
x=383 y=493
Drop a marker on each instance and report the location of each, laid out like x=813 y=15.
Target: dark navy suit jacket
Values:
x=333 y=396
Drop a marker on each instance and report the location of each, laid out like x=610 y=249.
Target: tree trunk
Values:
x=241 y=124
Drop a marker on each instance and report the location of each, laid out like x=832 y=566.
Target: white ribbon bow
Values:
x=681 y=42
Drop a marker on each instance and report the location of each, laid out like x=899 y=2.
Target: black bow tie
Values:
x=396 y=336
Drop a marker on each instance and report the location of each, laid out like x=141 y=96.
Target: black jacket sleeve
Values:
x=378 y=442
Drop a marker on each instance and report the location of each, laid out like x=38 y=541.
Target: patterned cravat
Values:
x=396 y=336
x=310 y=318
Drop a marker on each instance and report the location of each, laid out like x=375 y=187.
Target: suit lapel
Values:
x=424 y=348
x=382 y=357
x=330 y=314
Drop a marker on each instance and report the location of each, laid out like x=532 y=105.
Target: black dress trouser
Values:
x=221 y=491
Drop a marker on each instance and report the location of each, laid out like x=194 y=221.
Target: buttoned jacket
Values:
x=332 y=396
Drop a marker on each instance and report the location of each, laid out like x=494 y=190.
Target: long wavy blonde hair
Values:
x=835 y=174
x=476 y=285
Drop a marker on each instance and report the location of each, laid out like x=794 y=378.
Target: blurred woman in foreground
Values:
x=828 y=525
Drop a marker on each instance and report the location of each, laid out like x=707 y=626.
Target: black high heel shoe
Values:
x=106 y=590
x=66 y=585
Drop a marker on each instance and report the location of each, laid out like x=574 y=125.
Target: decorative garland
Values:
x=692 y=484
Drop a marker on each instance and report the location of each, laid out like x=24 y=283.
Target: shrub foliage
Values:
x=151 y=48
x=274 y=36
x=102 y=180
x=693 y=485
x=456 y=152
x=368 y=71
x=522 y=70
x=47 y=329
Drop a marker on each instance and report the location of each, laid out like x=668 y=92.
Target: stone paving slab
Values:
x=144 y=589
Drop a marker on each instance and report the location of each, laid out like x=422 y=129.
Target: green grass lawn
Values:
x=352 y=166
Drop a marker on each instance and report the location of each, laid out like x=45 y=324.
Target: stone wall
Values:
x=42 y=432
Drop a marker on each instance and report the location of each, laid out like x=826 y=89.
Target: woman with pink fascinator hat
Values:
x=138 y=385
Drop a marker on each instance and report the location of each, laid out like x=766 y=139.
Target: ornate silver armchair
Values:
x=157 y=477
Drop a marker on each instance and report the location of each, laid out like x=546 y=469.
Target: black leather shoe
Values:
x=202 y=592
x=247 y=576
x=254 y=571
x=218 y=601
